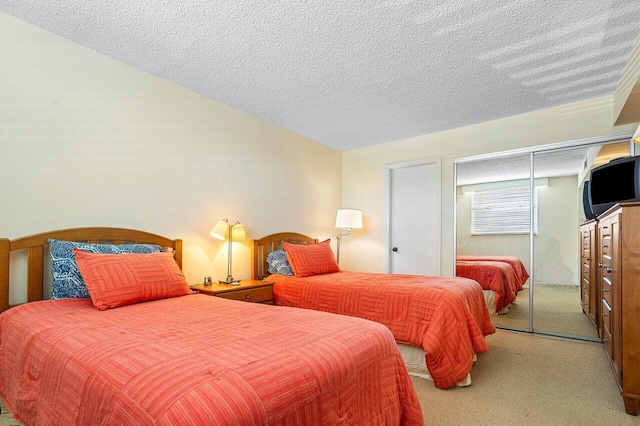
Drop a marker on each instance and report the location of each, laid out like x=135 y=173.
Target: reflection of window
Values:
x=503 y=211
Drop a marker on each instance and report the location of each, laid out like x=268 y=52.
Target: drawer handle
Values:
x=605 y=290
x=604 y=316
x=248 y=296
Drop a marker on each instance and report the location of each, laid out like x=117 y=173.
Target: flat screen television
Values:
x=586 y=205
x=615 y=182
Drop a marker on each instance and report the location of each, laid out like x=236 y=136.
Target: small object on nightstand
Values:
x=208 y=280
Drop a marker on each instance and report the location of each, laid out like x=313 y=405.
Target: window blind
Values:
x=503 y=211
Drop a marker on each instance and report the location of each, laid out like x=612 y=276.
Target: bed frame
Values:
x=261 y=248
x=35 y=248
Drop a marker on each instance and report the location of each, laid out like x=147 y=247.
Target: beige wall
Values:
x=556 y=244
x=88 y=141
x=556 y=254
x=363 y=169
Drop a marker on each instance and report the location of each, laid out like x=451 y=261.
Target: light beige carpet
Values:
x=526 y=379
x=556 y=309
x=5 y=418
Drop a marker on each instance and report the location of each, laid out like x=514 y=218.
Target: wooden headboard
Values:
x=35 y=248
x=261 y=248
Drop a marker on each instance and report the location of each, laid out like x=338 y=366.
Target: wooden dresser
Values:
x=619 y=278
x=589 y=286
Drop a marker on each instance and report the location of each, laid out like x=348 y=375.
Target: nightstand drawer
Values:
x=246 y=290
x=256 y=295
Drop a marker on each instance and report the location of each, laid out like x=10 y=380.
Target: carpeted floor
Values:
x=5 y=418
x=527 y=379
x=556 y=309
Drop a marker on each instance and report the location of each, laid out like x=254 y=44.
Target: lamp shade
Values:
x=349 y=219
x=238 y=232
x=219 y=231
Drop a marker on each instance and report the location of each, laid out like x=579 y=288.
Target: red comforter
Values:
x=199 y=360
x=516 y=264
x=496 y=276
x=446 y=316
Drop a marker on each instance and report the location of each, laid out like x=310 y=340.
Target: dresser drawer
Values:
x=256 y=295
x=606 y=290
x=586 y=246
x=606 y=316
x=605 y=332
x=606 y=342
x=586 y=272
x=605 y=249
x=585 y=256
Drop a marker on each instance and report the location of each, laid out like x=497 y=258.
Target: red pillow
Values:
x=122 y=279
x=312 y=259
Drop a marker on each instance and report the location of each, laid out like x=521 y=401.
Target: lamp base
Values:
x=229 y=281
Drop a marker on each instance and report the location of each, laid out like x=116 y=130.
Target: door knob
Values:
x=395 y=249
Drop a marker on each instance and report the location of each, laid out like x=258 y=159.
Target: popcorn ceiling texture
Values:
x=354 y=73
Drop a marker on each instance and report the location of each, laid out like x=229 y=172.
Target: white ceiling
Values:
x=554 y=164
x=354 y=73
x=557 y=163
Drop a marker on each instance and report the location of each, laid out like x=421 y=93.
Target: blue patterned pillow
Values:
x=67 y=282
x=278 y=263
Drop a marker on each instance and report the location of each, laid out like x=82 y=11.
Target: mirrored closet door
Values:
x=529 y=206
x=493 y=220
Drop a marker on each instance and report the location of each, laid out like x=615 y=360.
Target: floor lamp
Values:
x=346 y=220
x=236 y=233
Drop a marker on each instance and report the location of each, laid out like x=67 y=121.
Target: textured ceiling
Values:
x=355 y=73
x=566 y=162
x=556 y=164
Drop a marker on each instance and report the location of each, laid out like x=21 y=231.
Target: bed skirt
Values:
x=490 y=298
x=415 y=361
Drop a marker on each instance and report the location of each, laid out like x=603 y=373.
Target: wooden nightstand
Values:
x=248 y=291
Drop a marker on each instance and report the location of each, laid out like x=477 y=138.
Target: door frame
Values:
x=388 y=169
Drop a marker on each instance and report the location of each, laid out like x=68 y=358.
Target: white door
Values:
x=413 y=217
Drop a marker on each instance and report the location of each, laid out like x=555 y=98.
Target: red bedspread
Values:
x=196 y=360
x=496 y=276
x=446 y=316
x=516 y=264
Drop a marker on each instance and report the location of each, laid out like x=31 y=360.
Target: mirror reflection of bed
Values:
x=559 y=177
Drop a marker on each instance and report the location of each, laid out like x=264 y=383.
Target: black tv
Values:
x=586 y=205
x=615 y=182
